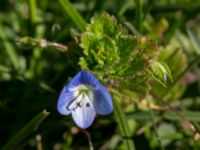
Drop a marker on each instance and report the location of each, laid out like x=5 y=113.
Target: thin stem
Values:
x=89 y=139
x=154 y=126
x=123 y=126
x=38 y=139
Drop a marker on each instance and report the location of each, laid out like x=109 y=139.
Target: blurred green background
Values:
x=34 y=70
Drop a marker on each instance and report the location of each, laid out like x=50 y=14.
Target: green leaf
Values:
x=167 y=133
x=125 y=58
x=25 y=131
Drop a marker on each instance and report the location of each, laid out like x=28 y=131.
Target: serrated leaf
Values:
x=110 y=50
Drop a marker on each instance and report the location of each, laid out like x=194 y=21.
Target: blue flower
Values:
x=84 y=97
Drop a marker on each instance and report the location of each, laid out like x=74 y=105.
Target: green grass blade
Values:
x=25 y=131
x=73 y=14
x=138 y=15
x=10 y=50
x=33 y=16
x=125 y=7
x=193 y=41
x=123 y=126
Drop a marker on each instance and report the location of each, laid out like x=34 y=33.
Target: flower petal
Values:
x=64 y=100
x=85 y=113
x=102 y=101
x=83 y=77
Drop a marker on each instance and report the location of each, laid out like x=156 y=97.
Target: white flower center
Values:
x=83 y=95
